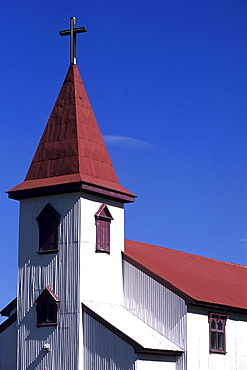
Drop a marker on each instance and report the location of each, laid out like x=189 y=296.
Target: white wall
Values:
x=105 y=350
x=101 y=273
x=156 y=363
x=198 y=354
x=58 y=270
x=156 y=305
x=75 y=273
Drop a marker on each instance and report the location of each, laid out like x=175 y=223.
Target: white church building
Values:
x=88 y=299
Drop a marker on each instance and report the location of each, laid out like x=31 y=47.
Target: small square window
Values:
x=217 y=333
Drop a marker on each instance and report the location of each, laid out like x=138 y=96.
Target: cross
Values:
x=72 y=32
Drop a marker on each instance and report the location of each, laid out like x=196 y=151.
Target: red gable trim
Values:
x=50 y=291
x=104 y=212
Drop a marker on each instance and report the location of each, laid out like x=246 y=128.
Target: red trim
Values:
x=109 y=193
x=69 y=188
x=103 y=219
x=103 y=212
x=52 y=293
x=217 y=333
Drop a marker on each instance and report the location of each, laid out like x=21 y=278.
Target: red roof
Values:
x=201 y=279
x=71 y=149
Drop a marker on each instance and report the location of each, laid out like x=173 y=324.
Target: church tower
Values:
x=71 y=232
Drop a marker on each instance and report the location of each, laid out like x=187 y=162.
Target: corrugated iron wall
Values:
x=8 y=345
x=105 y=350
x=157 y=306
x=35 y=273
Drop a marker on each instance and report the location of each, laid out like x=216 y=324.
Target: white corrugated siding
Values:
x=199 y=357
x=35 y=272
x=157 y=306
x=103 y=350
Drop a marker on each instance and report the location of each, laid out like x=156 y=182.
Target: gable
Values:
x=199 y=280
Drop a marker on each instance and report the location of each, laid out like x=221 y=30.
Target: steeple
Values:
x=71 y=155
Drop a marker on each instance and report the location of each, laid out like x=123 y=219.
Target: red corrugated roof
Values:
x=71 y=148
x=200 y=278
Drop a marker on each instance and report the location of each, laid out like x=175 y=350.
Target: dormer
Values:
x=47 y=305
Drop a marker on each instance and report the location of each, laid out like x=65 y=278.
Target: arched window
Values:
x=47 y=308
x=217 y=334
x=48 y=221
x=103 y=219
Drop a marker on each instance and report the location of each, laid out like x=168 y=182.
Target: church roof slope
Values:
x=199 y=280
x=71 y=149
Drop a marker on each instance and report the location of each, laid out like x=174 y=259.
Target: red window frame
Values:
x=47 y=305
x=48 y=222
x=217 y=333
x=103 y=219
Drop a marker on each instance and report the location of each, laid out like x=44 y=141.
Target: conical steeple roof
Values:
x=71 y=154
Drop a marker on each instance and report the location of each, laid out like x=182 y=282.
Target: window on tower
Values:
x=48 y=222
x=103 y=219
x=47 y=308
x=217 y=333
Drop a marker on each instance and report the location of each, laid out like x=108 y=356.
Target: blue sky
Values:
x=167 y=80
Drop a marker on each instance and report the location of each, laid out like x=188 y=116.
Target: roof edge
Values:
x=220 y=307
x=137 y=346
x=188 y=300
x=10 y=320
x=10 y=307
x=112 y=328
x=19 y=194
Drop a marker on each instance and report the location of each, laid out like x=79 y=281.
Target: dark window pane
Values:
x=213 y=340
x=43 y=311
x=46 y=310
x=221 y=341
x=48 y=221
x=51 y=315
x=213 y=324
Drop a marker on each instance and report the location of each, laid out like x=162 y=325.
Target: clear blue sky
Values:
x=167 y=80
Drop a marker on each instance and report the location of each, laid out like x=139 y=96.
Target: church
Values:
x=89 y=299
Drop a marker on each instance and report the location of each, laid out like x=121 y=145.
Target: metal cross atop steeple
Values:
x=72 y=32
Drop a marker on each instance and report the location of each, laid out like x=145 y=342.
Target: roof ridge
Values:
x=187 y=253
